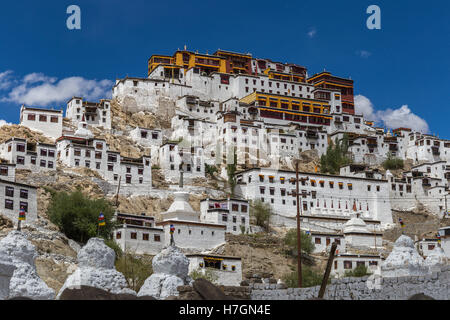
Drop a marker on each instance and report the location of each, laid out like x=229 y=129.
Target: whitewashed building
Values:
x=48 y=122
x=232 y=213
x=134 y=175
x=96 y=114
x=321 y=194
x=7 y=171
x=445 y=240
x=175 y=156
x=30 y=156
x=190 y=231
x=228 y=270
x=138 y=234
x=13 y=197
x=426 y=184
x=348 y=262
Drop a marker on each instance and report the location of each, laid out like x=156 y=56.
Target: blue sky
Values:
x=401 y=72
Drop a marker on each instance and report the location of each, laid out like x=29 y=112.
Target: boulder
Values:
x=208 y=291
x=436 y=259
x=96 y=269
x=25 y=281
x=404 y=260
x=6 y=272
x=170 y=270
x=91 y=293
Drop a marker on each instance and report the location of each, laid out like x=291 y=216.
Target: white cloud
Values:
x=312 y=32
x=39 y=89
x=364 y=53
x=390 y=118
x=6 y=80
x=38 y=77
x=4 y=123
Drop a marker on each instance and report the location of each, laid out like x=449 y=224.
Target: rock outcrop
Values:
x=170 y=270
x=6 y=272
x=96 y=269
x=404 y=260
x=436 y=259
x=25 y=281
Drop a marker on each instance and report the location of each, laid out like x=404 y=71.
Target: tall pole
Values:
x=299 y=242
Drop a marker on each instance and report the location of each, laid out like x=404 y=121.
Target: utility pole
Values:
x=299 y=241
x=327 y=271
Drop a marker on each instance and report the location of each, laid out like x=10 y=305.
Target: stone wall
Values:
x=436 y=285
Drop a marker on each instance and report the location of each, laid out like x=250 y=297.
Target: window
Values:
x=32 y=117
x=431 y=247
x=317 y=240
x=21 y=160
x=348 y=265
x=146 y=237
x=224 y=218
x=51 y=153
x=98 y=155
x=42 y=118
x=128 y=179
x=119 y=235
x=9 y=192
x=23 y=194
x=235 y=207
x=9 y=204
x=54 y=119
x=4 y=171
x=110 y=167
x=157 y=238
x=20 y=148
x=134 y=235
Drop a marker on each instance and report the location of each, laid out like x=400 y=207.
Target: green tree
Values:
x=393 y=163
x=261 y=212
x=210 y=170
x=359 y=271
x=335 y=157
x=136 y=269
x=77 y=216
x=290 y=239
x=310 y=278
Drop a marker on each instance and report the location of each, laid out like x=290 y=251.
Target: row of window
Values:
x=43 y=118
x=348 y=265
x=225 y=219
x=9 y=192
x=9 y=204
x=43 y=163
x=145 y=236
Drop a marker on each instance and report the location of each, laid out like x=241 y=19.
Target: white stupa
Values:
x=181 y=209
x=83 y=131
x=358 y=234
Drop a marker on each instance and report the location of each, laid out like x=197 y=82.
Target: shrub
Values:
x=335 y=157
x=210 y=170
x=262 y=212
x=207 y=274
x=290 y=239
x=310 y=278
x=359 y=271
x=393 y=163
x=77 y=216
x=135 y=269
